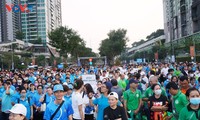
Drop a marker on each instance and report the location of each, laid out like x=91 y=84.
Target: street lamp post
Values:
x=12 y=56
x=194 y=49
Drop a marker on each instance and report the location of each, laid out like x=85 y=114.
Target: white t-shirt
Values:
x=76 y=101
x=87 y=101
x=164 y=71
x=144 y=87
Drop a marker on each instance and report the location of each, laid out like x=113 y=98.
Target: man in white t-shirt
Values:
x=164 y=70
x=144 y=80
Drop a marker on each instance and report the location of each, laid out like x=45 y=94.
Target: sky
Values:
x=94 y=19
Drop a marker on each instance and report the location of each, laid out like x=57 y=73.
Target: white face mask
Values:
x=19 y=81
x=169 y=77
x=158 y=92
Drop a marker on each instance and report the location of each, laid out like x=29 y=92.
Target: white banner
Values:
x=91 y=79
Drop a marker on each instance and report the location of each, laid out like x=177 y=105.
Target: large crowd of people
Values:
x=149 y=91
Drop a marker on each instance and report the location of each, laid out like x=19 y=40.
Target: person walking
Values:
x=58 y=109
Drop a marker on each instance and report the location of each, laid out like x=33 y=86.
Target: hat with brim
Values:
x=114 y=94
x=58 y=87
x=133 y=81
x=18 y=109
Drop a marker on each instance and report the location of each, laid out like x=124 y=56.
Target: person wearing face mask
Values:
x=157 y=103
x=191 y=74
x=192 y=82
x=179 y=100
x=149 y=92
x=169 y=77
x=27 y=102
x=192 y=110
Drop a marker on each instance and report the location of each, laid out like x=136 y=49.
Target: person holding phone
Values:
x=6 y=103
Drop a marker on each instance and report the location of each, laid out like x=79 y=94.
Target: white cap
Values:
x=18 y=109
x=114 y=94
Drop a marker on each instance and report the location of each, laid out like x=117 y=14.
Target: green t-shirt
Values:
x=180 y=101
x=149 y=92
x=177 y=72
x=127 y=82
x=122 y=84
x=132 y=98
x=188 y=114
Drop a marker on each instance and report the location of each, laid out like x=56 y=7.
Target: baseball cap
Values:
x=18 y=109
x=114 y=94
x=58 y=87
x=133 y=81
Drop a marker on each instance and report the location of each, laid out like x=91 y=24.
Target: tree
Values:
x=138 y=43
x=156 y=34
x=38 y=41
x=66 y=40
x=113 y=45
x=20 y=35
x=40 y=60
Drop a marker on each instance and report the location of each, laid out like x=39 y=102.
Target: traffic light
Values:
x=90 y=60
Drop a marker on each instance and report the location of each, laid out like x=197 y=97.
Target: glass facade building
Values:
x=40 y=20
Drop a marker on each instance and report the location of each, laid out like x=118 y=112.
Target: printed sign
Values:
x=91 y=79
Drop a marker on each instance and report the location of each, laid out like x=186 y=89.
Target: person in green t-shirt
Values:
x=122 y=82
x=149 y=92
x=192 y=110
x=179 y=100
x=132 y=100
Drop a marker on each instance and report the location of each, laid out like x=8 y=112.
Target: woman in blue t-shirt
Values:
x=102 y=100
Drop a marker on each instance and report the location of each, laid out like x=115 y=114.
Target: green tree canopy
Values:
x=20 y=35
x=156 y=34
x=67 y=41
x=113 y=45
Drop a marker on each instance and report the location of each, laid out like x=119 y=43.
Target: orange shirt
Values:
x=184 y=90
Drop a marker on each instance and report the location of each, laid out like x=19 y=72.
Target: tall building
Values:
x=196 y=15
x=44 y=17
x=9 y=21
x=181 y=18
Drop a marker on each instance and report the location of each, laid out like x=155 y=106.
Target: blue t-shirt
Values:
x=15 y=96
x=49 y=99
x=27 y=103
x=68 y=99
x=36 y=99
x=32 y=79
x=63 y=114
x=102 y=103
x=1 y=91
x=6 y=101
x=166 y=82
x=31 y=93
x=72 y=77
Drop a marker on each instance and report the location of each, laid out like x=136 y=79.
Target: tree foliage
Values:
x=113 y=45
x=156 y=34
x=68 y=42
x=20 y=35
x=138 y=43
